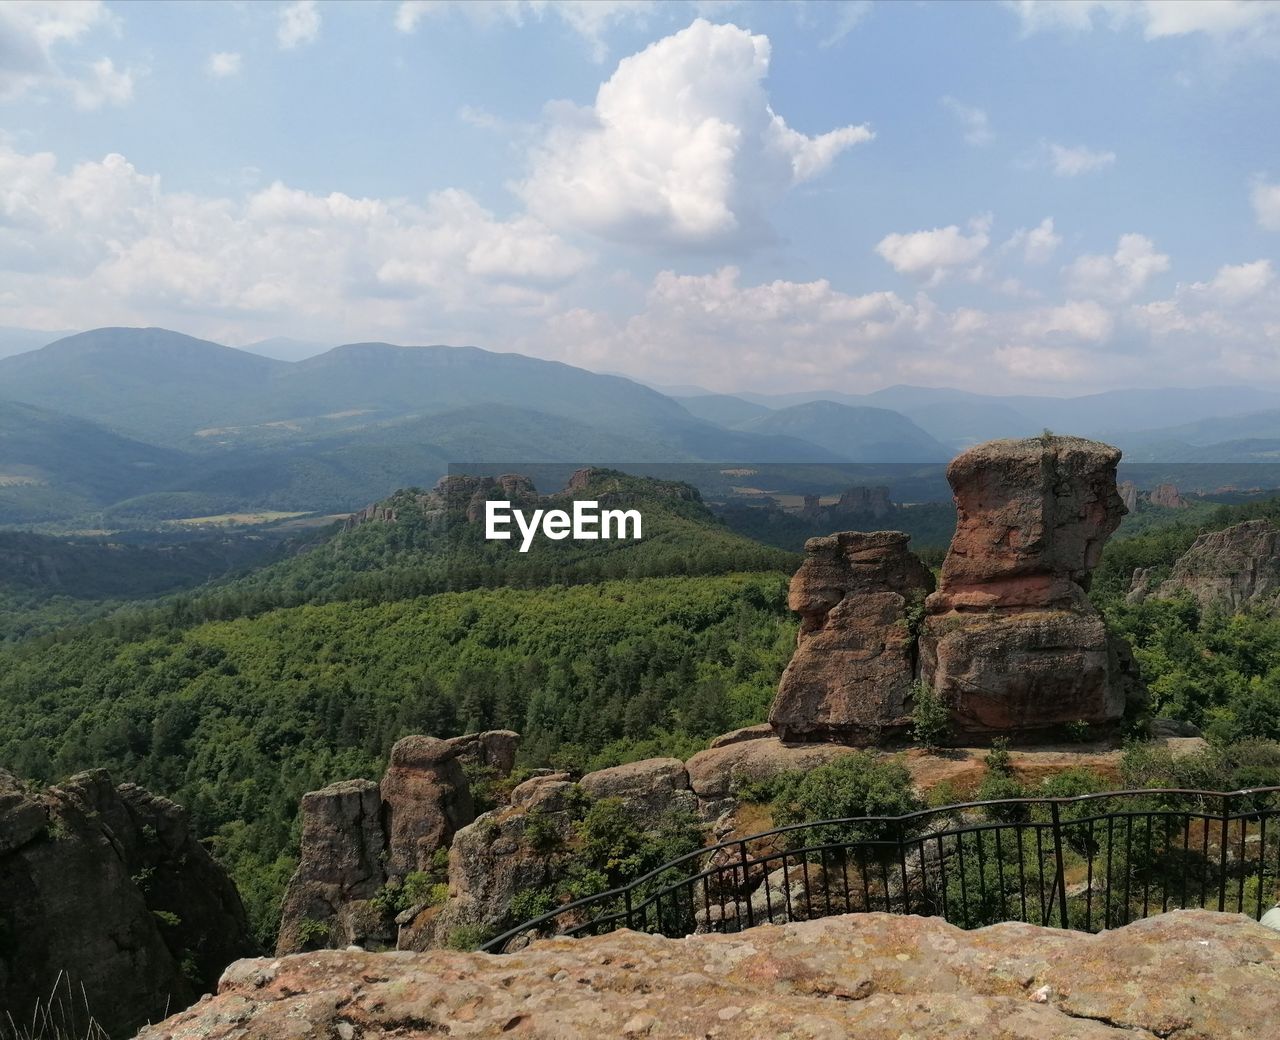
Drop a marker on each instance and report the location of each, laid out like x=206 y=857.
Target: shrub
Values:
x=531 y=903
x=854 y=785
x=997 y=760
x=930 y=719
x=467 y=937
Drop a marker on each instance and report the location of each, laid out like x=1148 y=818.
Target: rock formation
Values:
x=850 y=677
x=1011 y=643
x=361 y=838
x=340 y=871
x=106 y=888
x=1167 y=496
x=877 y=977
x=1233 y=569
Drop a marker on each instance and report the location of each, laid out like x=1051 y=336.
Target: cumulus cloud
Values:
x=1121 y=275
x=973 y=121
x=1038 y=244
x=298 y=24
x=1266 y=204
x=104 y=241
x=590 y=19
x=680 y=148
x=222 y=64
x=931 y=254
x=30 y=36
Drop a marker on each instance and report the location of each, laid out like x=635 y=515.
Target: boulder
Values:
x=851 y=674
x=1032 y=518
x=1190 y=973
x=760 y=731
x=1011 y=643
x=491 y=861
x=649 y=789
x=714 y=773
x=340 y=869
x=109 y=899
x=426 y=798
x=494 y=750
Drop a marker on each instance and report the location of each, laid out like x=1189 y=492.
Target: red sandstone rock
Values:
x=1011 y=643
x=851 y=674
x=426 y=799
x=1032 y=518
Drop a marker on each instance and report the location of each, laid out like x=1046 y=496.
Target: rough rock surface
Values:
x=713 y=773
x=1032 y=518
x=649 y=789
x=1192 y=975
x=1232 y=569
x=1011 y=643
x=106 y=888
x=426 y=798
x=851 y=674
x=360 y=837
x=340 y=869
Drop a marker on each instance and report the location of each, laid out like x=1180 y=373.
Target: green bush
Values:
x=930 y=717
x=854 y=785
x=467 y=937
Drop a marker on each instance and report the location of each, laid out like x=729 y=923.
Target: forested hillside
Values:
x=237 y=699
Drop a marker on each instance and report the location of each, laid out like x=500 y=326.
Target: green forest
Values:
x=236 y=698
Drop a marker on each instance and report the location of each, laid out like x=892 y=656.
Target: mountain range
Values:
x=139 y=425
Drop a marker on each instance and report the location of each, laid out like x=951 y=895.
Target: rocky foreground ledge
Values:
x=1189 y=975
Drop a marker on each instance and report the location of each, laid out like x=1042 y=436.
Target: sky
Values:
x=1008 y=197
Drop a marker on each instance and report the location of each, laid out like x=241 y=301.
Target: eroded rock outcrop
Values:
x=1011 y=643
x=340 y=871
x=874 y=976
x=855 y=659
x=362 y=840
x=1233 y=569
x=106 y=888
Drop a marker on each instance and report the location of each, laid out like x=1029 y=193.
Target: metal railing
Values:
x=1089 y=862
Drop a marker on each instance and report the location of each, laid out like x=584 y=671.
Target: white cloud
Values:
x=681 y=147
x=222 y=64
x=974 y=121
x=105 y=85
x=105 y=243
x=1237 y=282
x=1067 y=161
x=1120 y=276
x=1242 y=21
x=1266 y=204
x=298 y=25
x=589 y=19
x=1038 y=244
x=1075 y=319
x=31 y=33
x=932 y=253
x=849 y=14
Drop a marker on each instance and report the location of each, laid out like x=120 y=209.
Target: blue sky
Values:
x=1006 y=196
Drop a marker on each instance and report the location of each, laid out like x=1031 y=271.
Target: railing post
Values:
x=1060 y=878
x=746 y=884
x=1222 y=854
x=627 y=897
